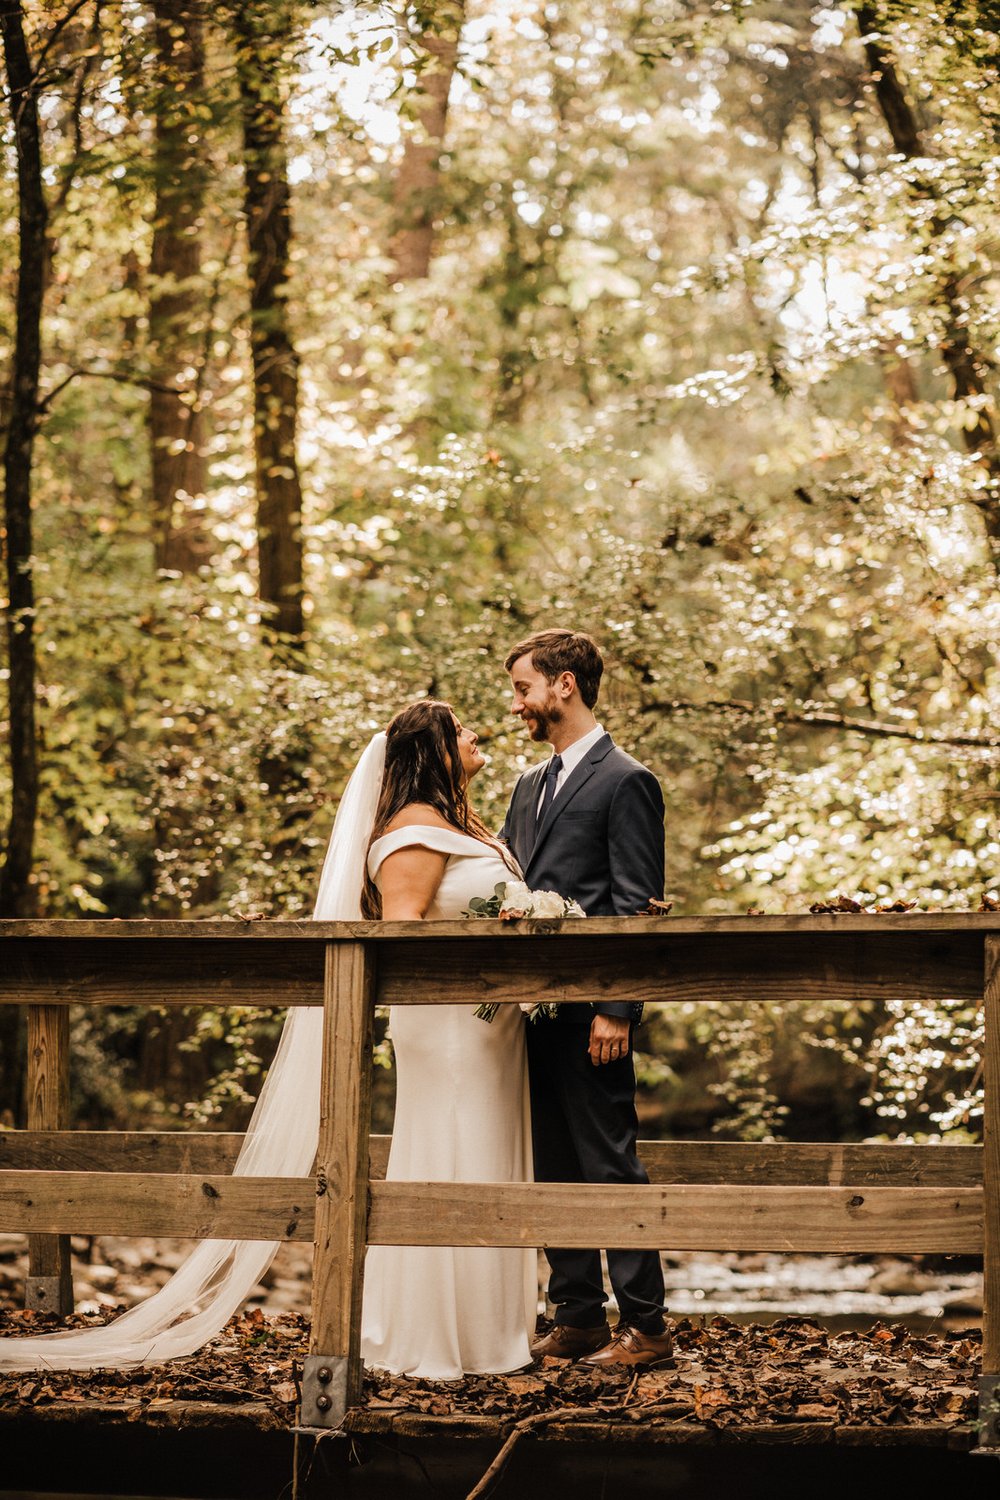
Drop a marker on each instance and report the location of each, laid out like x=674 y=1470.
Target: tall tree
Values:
x=965 y=364
x=416 y=189
x=16 y=894
x=262 y=33
x=176 y=423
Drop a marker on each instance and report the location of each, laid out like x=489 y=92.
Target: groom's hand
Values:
x=608 y=1039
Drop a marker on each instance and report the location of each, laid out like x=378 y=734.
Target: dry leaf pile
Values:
x=848 y=904
x=725 y=1375
x=841 y=903
x=255 y=1360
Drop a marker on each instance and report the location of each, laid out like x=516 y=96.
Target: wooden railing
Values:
x=715 y=1196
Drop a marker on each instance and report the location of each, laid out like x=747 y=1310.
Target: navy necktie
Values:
x=551 y=777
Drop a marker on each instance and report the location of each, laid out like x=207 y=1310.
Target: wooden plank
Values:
x=659 y=1430
x=913 y=924
x=447 y=962
x=319 y=933
x=838 y=1220
x=49 y=1283
x=226 y=929
x=342 y=1161
x=991 y=1159
x=133 y=1203
x=789 y=1163
x=684 y=1217
x=151 y=971
x=846 y=965
x=218 y=1420
x=118 y=1150
x=811 y=1164
x=775 y=1163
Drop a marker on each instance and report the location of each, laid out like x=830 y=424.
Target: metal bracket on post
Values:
x=989 y=1417
x=324 y=1391
x=48 y=1294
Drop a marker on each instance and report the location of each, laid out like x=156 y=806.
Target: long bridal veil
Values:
x=280 y=1142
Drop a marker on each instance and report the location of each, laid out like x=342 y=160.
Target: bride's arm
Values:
x=409 y=880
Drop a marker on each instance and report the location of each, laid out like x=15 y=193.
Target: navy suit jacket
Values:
x=600 y=842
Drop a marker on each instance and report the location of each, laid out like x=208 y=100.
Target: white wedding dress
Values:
x=461 y=1116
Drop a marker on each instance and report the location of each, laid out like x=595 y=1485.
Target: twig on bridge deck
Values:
x=540 y=1419
x=527 y=1424
x=216 y=1386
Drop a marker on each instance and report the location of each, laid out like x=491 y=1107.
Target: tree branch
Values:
x=146 y=382
x=822 y=719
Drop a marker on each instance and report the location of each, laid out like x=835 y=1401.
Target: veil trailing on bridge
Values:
x=280 y=1142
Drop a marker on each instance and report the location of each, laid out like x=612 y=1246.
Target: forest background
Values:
x=340 y=345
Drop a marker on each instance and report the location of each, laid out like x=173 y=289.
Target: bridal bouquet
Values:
x=511 y=900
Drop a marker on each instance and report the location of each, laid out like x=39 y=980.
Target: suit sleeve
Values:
x=635 y=852
x=635 y=843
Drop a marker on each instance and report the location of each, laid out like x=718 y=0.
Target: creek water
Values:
x=841 y=1292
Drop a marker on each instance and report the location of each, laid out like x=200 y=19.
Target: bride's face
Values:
x=472 y=757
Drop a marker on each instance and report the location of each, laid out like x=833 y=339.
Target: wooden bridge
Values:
x=787 y=1197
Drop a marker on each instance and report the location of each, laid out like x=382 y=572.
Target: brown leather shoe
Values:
x=563 y=1342
x=628 y=1348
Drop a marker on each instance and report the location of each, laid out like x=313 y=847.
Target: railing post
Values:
x=331 y=1379
x=989 y=1384
x=49 y=1284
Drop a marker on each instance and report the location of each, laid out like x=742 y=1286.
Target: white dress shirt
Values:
x=571 y=758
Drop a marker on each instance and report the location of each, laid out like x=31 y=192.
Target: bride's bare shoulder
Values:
x=418 y=815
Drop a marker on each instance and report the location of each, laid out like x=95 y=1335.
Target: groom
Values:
x=587 y=823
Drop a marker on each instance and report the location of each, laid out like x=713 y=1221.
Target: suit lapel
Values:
x=577 y=778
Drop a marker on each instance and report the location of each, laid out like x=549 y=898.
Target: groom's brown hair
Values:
x=555 y=651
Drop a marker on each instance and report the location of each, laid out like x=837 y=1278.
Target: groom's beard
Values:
x=541 y=720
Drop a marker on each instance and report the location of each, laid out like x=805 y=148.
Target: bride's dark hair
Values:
x=422 y=764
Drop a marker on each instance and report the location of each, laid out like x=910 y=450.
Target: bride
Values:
x=461 y=1086
x=405 y=844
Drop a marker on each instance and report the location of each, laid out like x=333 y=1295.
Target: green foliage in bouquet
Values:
x=488 y=906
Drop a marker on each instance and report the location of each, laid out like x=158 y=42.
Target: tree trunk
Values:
x=261 y=34
x=901 y=387
x=417 y=189
x=513 y=360
x=16 y=893
x=896 y=110
x=176 y=425
x=964 y=363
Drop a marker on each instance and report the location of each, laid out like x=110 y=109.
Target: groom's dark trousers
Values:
x=599 y=843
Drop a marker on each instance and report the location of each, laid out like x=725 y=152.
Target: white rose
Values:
x=547 y=904
x=574 y=909
x=516 y=896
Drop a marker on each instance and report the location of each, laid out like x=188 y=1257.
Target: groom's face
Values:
x=535 y=699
